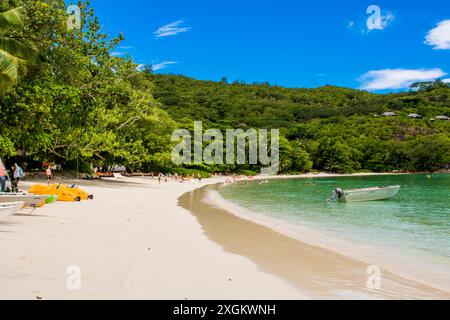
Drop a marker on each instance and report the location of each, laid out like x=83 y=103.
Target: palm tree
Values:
x=14 y=51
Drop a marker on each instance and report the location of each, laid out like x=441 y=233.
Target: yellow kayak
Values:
x=64 y=192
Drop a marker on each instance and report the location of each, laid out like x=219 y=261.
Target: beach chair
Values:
x=118 y=176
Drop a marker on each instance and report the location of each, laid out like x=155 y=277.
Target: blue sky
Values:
x=292 y=43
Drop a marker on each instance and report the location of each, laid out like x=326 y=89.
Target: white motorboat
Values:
x=8 y=209
x=366 y=194
x=30 y=200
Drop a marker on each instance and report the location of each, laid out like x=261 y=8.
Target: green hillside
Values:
x=335 y=126
x=262 y=105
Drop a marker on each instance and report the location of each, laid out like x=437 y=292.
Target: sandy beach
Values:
x=131 y=242
x=142 y=240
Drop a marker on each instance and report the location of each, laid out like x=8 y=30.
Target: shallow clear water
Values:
x=416 y=222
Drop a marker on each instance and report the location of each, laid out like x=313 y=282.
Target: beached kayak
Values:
x=63 y=192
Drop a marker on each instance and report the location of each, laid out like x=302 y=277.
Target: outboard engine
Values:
x=339 y=192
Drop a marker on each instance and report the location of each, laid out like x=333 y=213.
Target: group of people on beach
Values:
x=15 y=174
x=177 y=178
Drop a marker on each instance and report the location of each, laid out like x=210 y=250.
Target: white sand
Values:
x=131 y=242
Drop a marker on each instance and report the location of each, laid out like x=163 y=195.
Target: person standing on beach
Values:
x=48 y=173
x=16 y=174
x=3 y=176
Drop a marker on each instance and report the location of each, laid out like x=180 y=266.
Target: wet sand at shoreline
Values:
x=321 y=273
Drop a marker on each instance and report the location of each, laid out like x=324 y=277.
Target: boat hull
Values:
x=370 y=194
x=29 y=200
x=8 y=209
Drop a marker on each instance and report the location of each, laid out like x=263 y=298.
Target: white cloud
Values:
x=121 y=51
x=171 y=29
x=140 y=67
x=322 y=75
x=163 y=65
x=118 y=53
x=439 y=37
x=397 y=78
x=446 y=80
x=351 y=24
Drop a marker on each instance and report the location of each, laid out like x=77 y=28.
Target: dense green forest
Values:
x=328 y=128
x=65 y=98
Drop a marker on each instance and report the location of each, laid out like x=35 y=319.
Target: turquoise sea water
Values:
x=416 y=222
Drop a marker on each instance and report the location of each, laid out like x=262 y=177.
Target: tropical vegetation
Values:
x=65 y=98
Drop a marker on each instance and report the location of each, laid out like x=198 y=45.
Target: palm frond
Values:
x=21 y=48
x=11 y=68
x=14 y=51
x=13 y=17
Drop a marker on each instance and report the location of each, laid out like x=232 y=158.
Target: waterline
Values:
x=401 y=234
x=318 y=272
